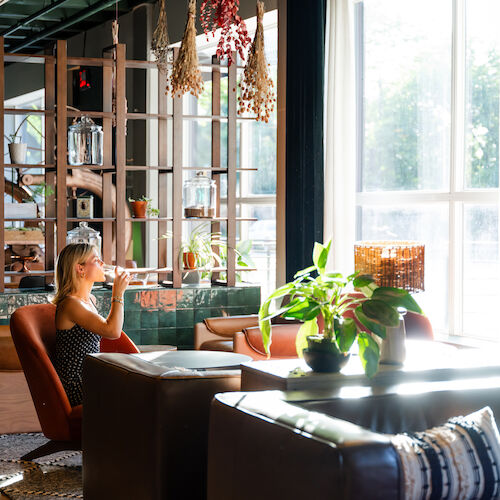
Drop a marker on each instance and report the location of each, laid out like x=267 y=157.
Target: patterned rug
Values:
x=55 y=476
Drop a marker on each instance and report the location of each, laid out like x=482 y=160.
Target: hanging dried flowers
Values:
x=257 y=94
x=186 y=76
x=223 y=14
x=160 y=42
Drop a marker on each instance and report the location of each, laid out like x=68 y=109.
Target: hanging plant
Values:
x=186 y=76
x=160 y=42
x=257 y=94
x=223 y=14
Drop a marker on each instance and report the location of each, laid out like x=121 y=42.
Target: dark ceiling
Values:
x=31 y=25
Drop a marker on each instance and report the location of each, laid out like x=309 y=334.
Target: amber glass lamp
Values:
x=392 y=263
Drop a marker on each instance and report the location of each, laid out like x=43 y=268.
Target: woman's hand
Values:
x=120 y=282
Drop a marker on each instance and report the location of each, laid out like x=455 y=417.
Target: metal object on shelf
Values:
x=85 y=207
x=85 y=142
x=200 y=194
x=84 y=234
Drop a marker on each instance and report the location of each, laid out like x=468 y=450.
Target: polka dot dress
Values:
x=71 y=348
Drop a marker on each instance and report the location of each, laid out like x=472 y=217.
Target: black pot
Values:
x=323 y=356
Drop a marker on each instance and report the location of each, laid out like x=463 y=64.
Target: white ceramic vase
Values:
x=393 y=347
x=17 y=152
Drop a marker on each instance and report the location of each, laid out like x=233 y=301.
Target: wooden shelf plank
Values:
x=138 y=64
x=154 y=167
x=93 y=219
x=29 y=273
x=29 y=58
x=89 y=61
x=221 y=219
x=92 y=167
x=148 y=116
x=93 y=114
x=219 y=269
x=22 y=111
x=14 y=219
x=148 y=219
x=28 y=165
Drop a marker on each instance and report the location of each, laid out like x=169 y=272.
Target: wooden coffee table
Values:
x=425 y=361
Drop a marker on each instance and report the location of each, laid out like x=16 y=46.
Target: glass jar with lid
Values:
x=84 y=234
x=200 y=193
x=85 y=142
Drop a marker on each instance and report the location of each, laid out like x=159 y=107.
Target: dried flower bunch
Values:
x=160 y=42
x=223 y=14
x=186 y=76
x=257 y=94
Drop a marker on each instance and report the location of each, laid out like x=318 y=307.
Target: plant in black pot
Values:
x=316 y=294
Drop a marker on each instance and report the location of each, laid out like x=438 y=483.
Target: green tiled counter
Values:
x=156 y=315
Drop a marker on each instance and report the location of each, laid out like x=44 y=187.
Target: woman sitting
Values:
x=79 y=326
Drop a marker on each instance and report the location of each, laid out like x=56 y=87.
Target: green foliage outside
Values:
x=408 y=128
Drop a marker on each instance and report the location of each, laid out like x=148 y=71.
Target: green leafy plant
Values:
x=243 y=257
x=142 y=198
x=12 y=137
x=44 y=190
x=315 y=291
x=201 y=242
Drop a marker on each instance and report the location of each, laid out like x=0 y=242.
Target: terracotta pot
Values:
x=323 y=356
x=189 y=260
x=139 y=209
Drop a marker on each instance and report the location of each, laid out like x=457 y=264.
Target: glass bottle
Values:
x=85 y=143
x=84 y=234
x=200 y=193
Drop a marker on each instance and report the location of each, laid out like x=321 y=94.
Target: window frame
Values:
x=457 y=195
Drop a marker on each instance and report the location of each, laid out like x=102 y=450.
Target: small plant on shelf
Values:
x=142 y=206
x=17 y=148
x=197 y=251
x=42 y=190
x=243 y=257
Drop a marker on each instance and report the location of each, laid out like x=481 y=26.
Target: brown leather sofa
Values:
x=327 y=445
x=145 y=427
x=216 y=334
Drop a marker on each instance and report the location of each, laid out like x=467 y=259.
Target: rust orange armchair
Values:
x=34 y=333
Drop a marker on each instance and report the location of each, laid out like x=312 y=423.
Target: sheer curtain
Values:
x=340 y=134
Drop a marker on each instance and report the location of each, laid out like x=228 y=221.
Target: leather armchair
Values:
x=327 y=444
x=249 y=342
x=16 y=407
x=216 y=334
x=34 y=334
x=145 y=427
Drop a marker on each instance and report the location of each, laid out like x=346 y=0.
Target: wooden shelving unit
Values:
x=113 y=171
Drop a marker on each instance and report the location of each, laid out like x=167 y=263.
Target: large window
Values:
x=428 y=145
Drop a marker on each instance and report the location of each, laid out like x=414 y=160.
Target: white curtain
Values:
x=340 y=134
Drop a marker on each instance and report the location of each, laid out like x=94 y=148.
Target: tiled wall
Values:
x=158 y=315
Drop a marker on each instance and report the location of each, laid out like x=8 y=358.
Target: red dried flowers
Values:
x=223 y=14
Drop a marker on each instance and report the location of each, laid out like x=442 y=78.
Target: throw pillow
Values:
x=457 y=460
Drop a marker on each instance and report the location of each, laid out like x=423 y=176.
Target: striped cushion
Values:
x=457 y=460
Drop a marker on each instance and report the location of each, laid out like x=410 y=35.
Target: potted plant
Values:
x=197 y=250
x=142 y=206
x=315 y=292
x=18 y=149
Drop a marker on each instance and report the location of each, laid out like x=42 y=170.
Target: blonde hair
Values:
x=66 y=274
